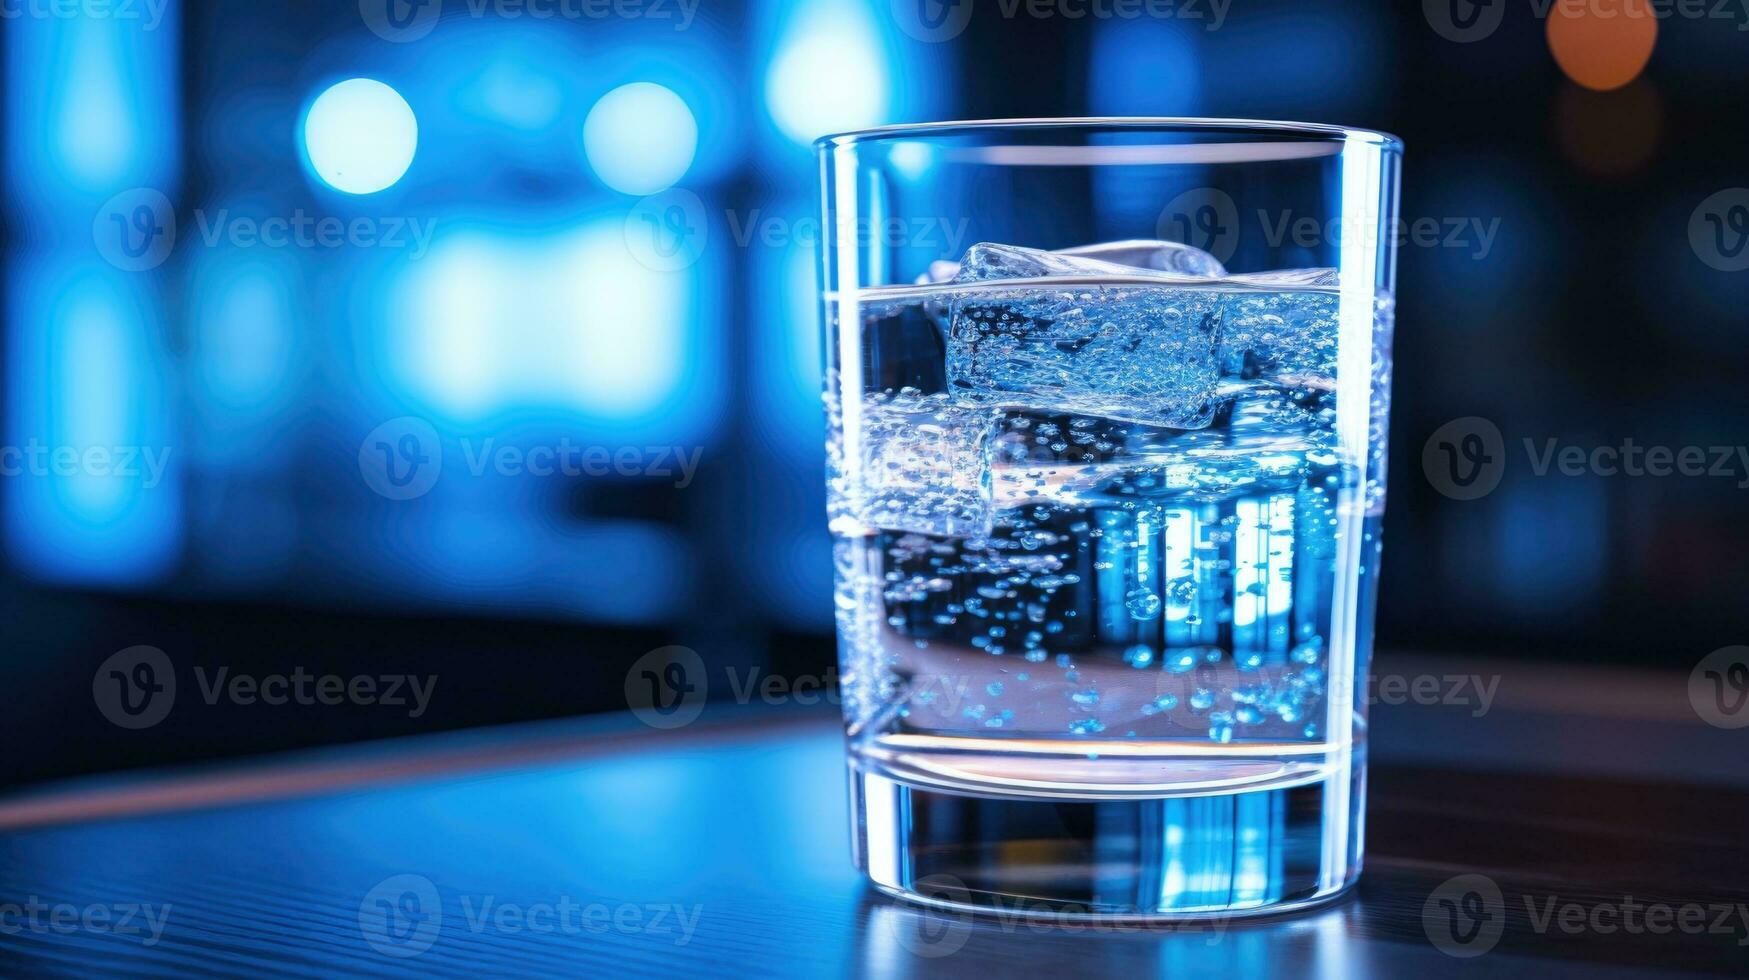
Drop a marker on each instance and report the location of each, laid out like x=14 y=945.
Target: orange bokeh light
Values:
x=1602 y=44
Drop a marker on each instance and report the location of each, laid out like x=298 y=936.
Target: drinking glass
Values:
x=1106 y=409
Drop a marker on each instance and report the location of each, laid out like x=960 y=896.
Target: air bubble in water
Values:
x=1142 y=604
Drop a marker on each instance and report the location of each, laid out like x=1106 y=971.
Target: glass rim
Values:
x=1191 y=124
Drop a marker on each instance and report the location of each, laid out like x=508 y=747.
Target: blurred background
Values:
x=478 y=340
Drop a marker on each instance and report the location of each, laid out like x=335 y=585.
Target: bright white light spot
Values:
x=489 y=323
x=640 y=138
x=360 y=136
x=829 y=74
x=911 y=160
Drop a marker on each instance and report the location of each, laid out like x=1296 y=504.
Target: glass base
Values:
x=1234 y=853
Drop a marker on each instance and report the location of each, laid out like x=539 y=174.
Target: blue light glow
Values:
x=243 y=347
x=511 y=91
x=90 y=109
x=360 y=136
x=640 y=138
x=829 y=72
x=93 y=490
x=567 y=320
x=911 y=160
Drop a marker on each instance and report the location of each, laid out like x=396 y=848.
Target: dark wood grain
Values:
x=741 y=822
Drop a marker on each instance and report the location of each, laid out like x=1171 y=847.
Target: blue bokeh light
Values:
x=90 y=109
x=360 y=136
x=97 y=498
x=828 y=72
x=640 y=138
x=565 y=322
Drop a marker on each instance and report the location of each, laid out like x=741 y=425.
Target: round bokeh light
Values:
x=360 y=136
x=640 y=138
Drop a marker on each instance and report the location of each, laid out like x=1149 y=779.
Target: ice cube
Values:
x=1281 y=326
x=1137 y=347
x=941 y=270
x=924 y=464
x=985 y=261
x=1174 y=257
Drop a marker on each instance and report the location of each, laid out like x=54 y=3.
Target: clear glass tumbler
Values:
x=1106 y=445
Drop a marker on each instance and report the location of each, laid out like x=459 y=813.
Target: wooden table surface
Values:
x=600 y=847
